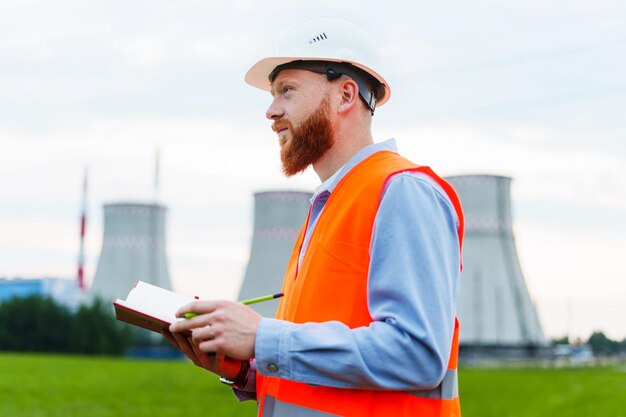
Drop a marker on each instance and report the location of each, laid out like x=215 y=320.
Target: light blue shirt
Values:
x=412 y=290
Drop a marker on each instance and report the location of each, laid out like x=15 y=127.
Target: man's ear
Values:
x=349 y=90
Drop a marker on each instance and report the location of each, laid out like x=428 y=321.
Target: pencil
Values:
x=248 y=302
x=263 y=298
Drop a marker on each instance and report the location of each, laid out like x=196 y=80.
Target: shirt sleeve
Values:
x=412 y=294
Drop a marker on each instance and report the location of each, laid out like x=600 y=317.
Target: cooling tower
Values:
x=278 y=217
x=495 y=308
x=133 y=248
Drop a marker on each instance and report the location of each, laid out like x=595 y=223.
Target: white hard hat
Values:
x=326 y=40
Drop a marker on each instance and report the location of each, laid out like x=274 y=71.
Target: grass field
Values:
x=582 y=392
x=68 y=386
x=71 y=386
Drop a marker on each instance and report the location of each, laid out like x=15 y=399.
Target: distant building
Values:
x=574 y=354
x=495 y=308
x=278 y=217
x=133 y=249
x=63 y=291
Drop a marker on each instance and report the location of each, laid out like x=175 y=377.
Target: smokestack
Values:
x=278 y=217
x=83 y=224
x=133 y=248
x=495 y=308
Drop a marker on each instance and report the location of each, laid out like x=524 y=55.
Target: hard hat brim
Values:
x=258 y=74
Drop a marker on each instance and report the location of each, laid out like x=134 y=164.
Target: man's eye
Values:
x=287 y=88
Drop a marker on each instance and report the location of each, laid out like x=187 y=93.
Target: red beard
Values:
x=309 y=141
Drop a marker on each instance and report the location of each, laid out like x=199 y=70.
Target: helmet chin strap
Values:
x=369 y=88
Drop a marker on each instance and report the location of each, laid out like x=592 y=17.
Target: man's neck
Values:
x=339 y=155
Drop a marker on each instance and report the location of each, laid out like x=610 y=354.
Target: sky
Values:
x=535 y=90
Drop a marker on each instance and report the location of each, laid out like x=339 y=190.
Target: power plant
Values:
x=133 y=249
x=278 y=217
x=495 y=308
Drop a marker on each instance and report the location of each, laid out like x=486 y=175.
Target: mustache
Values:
x=280 y=124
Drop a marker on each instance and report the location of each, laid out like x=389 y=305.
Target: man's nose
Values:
x=274 y=111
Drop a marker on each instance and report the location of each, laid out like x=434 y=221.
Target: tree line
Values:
x=600 y=344
x=39 y=324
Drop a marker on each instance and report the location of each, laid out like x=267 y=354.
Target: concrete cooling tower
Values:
x=133 y=248
x=278 y=217
x=495 y=308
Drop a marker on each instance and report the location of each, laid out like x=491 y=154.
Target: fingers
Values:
x=185 y=347
x=206 y=361
x=203 y=339
x=201 y=334
x=190 y=349
x=223 y=327
x=201 y=308
x=216 y=363
x=197 y=307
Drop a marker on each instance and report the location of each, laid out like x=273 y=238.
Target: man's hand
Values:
x=218 y=364
x=222 y=327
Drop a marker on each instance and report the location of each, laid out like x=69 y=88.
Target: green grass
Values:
x=46 y=386
x=67 y=386
x=573 y=392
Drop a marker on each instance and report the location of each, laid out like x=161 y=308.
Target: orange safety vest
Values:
x=331 y=284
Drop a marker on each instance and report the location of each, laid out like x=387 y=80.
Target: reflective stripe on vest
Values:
x=277 y=408
x=448 y=389
x=335 y=267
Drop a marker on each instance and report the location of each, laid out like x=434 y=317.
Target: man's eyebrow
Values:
x=276 y=85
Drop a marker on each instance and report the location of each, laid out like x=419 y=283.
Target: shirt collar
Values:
x=331 y=182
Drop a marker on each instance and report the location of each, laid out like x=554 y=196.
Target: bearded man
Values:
x=367 y=325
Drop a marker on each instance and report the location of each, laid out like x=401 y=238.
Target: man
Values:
x=367 y=325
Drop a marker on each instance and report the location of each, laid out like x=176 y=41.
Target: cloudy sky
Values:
x=535 y=90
